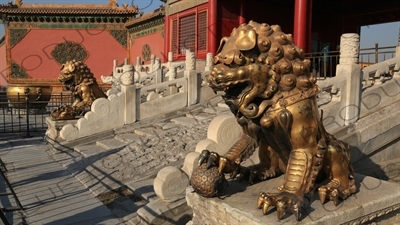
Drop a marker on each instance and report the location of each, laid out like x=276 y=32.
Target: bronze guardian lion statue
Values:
x=270 y=90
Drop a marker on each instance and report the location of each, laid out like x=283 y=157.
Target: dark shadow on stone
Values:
x=362 y=164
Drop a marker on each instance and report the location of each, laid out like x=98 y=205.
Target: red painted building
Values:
x=146 y=36
x=41 y=37
x=199 y=25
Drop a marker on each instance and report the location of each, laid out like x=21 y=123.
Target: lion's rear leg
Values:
x=337 y=167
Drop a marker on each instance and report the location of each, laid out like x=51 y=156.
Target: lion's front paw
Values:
x=224 y=164
x=282 y=201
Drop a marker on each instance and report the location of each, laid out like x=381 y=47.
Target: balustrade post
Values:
x=376 y=53
x=349 y=68
x=131 y=103
x=194 y=83
x=138 y=64
x=115 y=64
x=170 y=59
x=396 y=72
x=152 y=62
x=209 y=62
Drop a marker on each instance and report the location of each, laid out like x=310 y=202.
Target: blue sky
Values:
x=384 y=34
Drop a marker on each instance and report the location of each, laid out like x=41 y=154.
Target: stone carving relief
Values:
x=146 y=52
x=349 y=48
x=69 y=50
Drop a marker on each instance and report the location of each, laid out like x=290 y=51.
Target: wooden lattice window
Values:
x=190 y=32
x=202 y=31
x=187 y=33
x=174 y=36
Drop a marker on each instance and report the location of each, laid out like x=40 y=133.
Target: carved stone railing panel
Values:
x=163 y=89
x=377 y=73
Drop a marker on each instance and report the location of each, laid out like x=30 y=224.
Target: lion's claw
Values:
x=214 y=159
x=203 y=156
x=282 y=202
x=334 y=191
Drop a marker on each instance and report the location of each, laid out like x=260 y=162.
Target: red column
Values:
x=212 y=26
x=302 y=23
x=166 y=38
x=242 y=18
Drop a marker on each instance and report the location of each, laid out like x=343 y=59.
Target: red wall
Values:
x=156 y=42
x=33 y=52
x=3 y=67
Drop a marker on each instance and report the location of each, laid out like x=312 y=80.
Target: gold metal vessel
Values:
x=38 y=95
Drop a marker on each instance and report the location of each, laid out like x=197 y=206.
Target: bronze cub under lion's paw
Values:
x=269 y=88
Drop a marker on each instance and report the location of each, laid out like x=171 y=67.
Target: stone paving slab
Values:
x=375 y=198
x=89 y=150
x=222 y=105
x=125 y=208
x=217 y=110
x=48 y=192
x=200 y=116
x=110 y=143
x=154 y=132
x=63 y=187
x=100 y=220
x=127 y=137
x=184 y=121
x=160 y=212
x=143 y=189
x=168 y=126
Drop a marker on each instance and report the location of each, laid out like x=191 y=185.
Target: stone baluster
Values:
x=190 y=61
x=396 y=72
x=152 y=62
x=170 y=59
x=158 y=70
x=127 y=76
x=138 y=64
x=194 y=79
x=209 y=62
x=115 y=67
x=171 y=74
x=132 y=103
x=349 y=68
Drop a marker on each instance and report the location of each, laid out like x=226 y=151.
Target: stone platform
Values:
x=375 y=198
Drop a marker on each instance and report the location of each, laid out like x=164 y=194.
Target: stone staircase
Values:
x=130 y=157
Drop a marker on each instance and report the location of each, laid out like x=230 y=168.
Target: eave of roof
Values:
x=75 y=9
x=158 y=13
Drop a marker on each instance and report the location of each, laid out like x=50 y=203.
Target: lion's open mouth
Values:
x=233 y=89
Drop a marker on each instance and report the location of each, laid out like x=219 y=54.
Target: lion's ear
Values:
x=246 y=40
x=221 y=45
x=71 y=67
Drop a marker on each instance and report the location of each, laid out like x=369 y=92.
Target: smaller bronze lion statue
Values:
x=76 y=77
